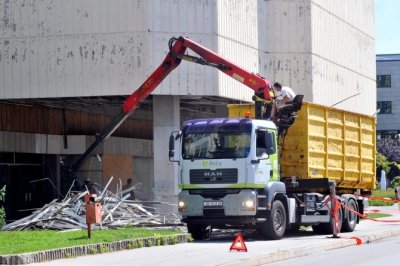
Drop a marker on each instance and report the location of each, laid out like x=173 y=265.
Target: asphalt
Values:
x=367 y=231
x=260 y=252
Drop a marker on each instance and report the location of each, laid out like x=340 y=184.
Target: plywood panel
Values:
x=118 y=166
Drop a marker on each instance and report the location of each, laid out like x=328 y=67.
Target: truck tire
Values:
x=199 y=231
x=275 y=225
x=350 y=222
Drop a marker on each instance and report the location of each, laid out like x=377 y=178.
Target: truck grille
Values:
x=218 y=176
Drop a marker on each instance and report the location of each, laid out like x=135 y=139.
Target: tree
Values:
x=392 y=169
x=390 y=148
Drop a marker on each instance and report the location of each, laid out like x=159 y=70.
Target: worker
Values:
x=397 y=193
x=283 y=96
x=127 y=186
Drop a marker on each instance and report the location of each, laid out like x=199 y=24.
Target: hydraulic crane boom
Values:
x=177 y=49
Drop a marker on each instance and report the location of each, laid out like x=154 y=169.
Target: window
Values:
x=265 y=143
x=385 y=107
x=261 y=146
x=383 y=81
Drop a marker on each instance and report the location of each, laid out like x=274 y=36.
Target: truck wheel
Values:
x=274 y=226
x=199 y=231
x=349 y=223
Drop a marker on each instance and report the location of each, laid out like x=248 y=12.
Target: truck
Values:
x=240 y=172
x=309 y=167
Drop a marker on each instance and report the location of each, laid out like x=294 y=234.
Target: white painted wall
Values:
x=323 y=49
x=343 y=54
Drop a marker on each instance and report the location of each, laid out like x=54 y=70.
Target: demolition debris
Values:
x=118 y=211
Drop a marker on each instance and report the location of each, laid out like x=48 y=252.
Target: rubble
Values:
x=118 y=211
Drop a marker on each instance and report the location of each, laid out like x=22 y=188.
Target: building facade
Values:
x=388 y=94
x=66 y=66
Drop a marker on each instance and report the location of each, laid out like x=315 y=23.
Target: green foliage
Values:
x=29 y=241
x=389 y=193
x=104 y=248
x=2 y=212
x=378 y=215
x=92 y=251
x=395 y=182
x=382 y=161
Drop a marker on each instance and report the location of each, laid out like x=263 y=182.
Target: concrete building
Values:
x=65 y=67
x=388 y=94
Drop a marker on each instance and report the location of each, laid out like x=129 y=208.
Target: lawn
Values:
x=378 y=215
x=28 y=241
x=382 y=194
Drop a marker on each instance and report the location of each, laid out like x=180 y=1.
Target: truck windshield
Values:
x=216 y=145
x=216 y=140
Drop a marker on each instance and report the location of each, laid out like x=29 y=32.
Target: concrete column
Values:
x=166 y=119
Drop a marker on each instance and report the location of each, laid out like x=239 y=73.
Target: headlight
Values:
x=249 y=204
x=181 y=204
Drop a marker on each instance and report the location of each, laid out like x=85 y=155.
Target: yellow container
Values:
x=328 y=142
x=240 y=110
x=325 y=142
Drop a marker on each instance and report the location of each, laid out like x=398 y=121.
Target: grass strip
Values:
x=38 y=240
x=389 y=193
x=378 y=215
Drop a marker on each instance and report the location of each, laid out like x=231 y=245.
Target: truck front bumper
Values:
x=195 y=206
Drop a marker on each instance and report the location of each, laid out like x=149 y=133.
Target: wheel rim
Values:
x=352 y=216
x=278 y=220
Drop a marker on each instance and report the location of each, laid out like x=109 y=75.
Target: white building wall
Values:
x=285 y=43
x=343 y=54
x=322 y=49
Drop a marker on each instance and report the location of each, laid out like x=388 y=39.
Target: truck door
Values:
x=263 y=168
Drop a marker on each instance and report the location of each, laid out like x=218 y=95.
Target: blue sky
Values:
x=387 y=26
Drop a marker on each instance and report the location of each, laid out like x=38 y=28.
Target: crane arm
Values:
x=177 y=49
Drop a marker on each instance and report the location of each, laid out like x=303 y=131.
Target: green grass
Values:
x=29 y=241
x=382 y=194
x=378 y=215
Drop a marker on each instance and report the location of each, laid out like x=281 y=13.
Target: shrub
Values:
x=382 y=194
x=2 y=212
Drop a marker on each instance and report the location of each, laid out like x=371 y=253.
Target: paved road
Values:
x=216 y=251
x=383 y=252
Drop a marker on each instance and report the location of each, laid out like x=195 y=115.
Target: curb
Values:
x=70 y=252
x=294 y=253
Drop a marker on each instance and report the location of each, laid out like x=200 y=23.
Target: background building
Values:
x=388 y=94
x=66 y=66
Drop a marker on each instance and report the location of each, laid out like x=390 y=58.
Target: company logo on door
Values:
x=206 y=164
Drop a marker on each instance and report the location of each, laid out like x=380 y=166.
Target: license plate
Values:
x=214 y=203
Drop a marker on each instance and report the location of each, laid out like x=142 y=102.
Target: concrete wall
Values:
x=390 y=67
x=99 y=47
x=343 y=54
x=323 y=49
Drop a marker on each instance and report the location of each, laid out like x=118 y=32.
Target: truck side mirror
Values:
x=171 y=142
x=174 y=136
x=270 y=143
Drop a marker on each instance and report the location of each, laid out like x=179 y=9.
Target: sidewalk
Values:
x=216 y=251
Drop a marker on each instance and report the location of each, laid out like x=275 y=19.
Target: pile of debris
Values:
x=118 y=211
